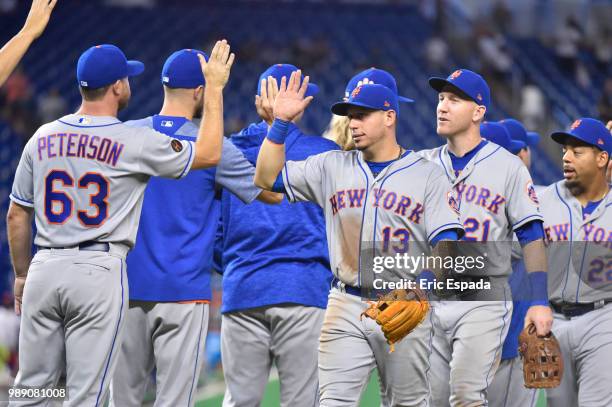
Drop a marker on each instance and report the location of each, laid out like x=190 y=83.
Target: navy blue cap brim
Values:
x=404 y=99
x=533 y=138
x=341 y=108
x=135 y=68
x=439 y=83
x=561 y=137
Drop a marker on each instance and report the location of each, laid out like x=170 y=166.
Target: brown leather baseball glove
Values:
x=542 y=360
x=398 y=313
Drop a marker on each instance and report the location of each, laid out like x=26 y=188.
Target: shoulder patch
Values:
x=453 y=201
x=531 y=192
x=176 y=145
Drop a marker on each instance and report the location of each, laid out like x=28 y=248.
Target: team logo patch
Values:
x=455 y=74
x=575 y=124
x=365 y=81
x=356 y=91
x=532 y=193
x=176 y=145
x=453 y=201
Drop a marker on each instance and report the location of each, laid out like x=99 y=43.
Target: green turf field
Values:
x=272 y=396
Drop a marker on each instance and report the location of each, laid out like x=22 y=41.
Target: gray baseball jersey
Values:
x=580 y=271
x=85 y=177
x=405 y=206
x=496 y=196
x=579 y=249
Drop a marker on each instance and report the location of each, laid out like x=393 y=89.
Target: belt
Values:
x=90 y=245
x=571 y=309
x=346 y=288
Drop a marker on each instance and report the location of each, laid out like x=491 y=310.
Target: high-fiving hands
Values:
x=217 y=69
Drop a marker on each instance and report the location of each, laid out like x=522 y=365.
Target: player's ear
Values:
x=198 y=93
x=390 y=117
x=117 y=87
x=479 y=113
x=602 y=159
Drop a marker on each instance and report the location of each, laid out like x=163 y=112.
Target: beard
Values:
x=575 y=187
x=124 y=102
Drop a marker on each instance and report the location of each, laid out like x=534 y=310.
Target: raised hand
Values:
x=264 y=103
x=290 y=101
x=217 y=69
x=38 y=17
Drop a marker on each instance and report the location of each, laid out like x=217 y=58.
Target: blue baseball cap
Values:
x=182 y=69
x=277 y=71
x=590 y=131
x=104 y=64
x=377 y=76
x=518 y=132
x=371 y=96
x=498 y=134
x=533 y=138
x=468 y=82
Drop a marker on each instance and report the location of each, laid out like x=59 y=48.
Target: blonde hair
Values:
x=338 y=131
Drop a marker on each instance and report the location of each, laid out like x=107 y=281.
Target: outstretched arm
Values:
x=35 y=24
x=210 y=136
x=289 y=104
x=539 y=313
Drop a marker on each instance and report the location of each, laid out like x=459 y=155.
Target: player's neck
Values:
x=383 y=151
x=177 y=110
x=462 y=143
x=97 y=108
x=593 y=192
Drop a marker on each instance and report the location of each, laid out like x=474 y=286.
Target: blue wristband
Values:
x=538 y=281
x=278 y=131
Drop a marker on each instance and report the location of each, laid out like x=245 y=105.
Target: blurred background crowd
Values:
x=547 y=62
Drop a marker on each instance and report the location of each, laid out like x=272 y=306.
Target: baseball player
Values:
x=82 y=177
x=36 y=22
x=518 y=133
x=275 y=276
x=496 y=198
x=578 y=227
x=507 y=388
x=376 y=194
x=169 y=268
x=609 y=172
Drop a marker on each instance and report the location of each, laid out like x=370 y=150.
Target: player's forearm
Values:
x=270 y=162
x=210 y=136
x=534 y=255
x=12 y=52
x=269 y=197
x=19 y=230
x=444 y=249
